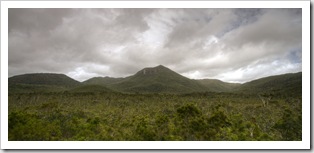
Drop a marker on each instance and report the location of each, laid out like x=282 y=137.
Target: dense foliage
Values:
x=106 y=115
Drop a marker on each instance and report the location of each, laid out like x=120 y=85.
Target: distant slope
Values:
x=286 y=84
x=44 y=79
x=102 y=81
x=41 y=82
x=90 y=89
x=218 y=86
x=157 y=80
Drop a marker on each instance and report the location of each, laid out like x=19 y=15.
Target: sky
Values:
x=232 y=45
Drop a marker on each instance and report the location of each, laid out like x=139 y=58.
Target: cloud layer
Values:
x=235 y=45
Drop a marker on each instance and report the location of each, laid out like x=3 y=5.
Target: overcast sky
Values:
x=234 y=45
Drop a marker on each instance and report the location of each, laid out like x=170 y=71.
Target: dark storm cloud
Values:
x=229 y=44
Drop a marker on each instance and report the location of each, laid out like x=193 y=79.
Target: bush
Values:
x=290 y=126
x=188 y=110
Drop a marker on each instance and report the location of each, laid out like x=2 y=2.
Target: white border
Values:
x=304 y=144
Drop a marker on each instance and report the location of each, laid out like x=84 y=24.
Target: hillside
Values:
x=157 y=80
x=285 y=84
x=41 y=82
x=218 y=86
x=44 y=79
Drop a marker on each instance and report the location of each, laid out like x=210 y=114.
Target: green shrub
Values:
x=290 y=126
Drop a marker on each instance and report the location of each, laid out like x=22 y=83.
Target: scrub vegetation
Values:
x=87 y=112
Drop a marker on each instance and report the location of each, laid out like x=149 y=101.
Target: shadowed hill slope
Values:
x=41 y=82
x=285 y=84
x=44 y=79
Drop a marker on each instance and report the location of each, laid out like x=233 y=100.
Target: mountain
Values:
x=285 y=84
x=216 y=85
x=44 y=79
x=41 y=82
x=161 y=79
x=157 y=80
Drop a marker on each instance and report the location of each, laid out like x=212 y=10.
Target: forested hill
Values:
x=44 y=79
x=102 y=80
x=41 y=82
x=159 y=79
x=286 y=84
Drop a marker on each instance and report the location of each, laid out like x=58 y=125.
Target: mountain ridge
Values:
x=159 y=79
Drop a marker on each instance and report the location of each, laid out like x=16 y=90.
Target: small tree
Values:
x=265 y=98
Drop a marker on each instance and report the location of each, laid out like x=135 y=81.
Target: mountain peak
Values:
x=160 y=66
x=153 y=70
x=157 y=67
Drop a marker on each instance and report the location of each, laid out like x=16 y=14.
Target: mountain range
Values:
x=158 y=79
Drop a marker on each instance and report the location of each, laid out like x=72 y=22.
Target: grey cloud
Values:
x=229 y=44
x=199 y=24
x=35 y=20
x=275 y=25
